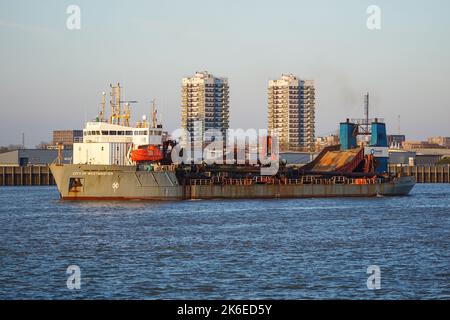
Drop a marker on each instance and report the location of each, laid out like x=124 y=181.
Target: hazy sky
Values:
x=52 y=78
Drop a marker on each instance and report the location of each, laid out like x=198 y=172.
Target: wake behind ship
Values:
x=117 y=161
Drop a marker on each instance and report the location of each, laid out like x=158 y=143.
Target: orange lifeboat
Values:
x=146 y=153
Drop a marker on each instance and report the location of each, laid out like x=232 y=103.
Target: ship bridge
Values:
x=103 y=132
x=107 y=143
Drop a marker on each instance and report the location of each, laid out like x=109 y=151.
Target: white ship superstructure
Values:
x=108 y=143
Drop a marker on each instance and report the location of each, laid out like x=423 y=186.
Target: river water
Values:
x=256 y=249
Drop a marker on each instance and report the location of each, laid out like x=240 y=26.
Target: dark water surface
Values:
x=281 y=249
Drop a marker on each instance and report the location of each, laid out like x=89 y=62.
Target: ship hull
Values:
x=110 y=182
x=400 y=187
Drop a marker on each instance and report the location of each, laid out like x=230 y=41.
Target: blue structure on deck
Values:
x=379 y=136
x=379 y=139
x=347 y=135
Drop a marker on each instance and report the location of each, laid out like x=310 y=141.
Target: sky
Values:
x=52 y=77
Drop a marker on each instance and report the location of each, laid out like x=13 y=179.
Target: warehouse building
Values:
x=29 y=157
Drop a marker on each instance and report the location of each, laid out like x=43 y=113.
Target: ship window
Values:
x=120 y=133
x=105 y=133
x=151 y=132
x=113 y=133
x=76 y=185
x=97 y=133
x=129 y=133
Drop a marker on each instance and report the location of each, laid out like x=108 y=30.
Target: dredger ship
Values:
x=117 y=161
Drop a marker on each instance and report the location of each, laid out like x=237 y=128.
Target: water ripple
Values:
x=285 y=249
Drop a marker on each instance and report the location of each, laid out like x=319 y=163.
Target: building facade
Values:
x=67 y=137
x=441 y=141
x=411 y=145
x=330 y=140
x=204 y=105
x=396 y=140
x=291 y=114
x=33 y=157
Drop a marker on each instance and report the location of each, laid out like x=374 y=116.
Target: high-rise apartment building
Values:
x=205 y=105
x=292 y=112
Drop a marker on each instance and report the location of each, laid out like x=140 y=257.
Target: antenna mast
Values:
x=116 y=116
x=111 y=104
x=366 y=111
x=154 y=114
x=102 y=114
x=118 y=103
x=126 y=116
x=115 y=104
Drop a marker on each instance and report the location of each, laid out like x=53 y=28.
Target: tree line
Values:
x=13 y=147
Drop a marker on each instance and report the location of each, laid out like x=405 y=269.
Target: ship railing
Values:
x=363 y=181
x=271 y=180
x=339 y=180
x=200 y=182
x=321 y=181
x=160 y=168
x=240 y=182
x=235 y=182
x=264 y=180
x=261 y=180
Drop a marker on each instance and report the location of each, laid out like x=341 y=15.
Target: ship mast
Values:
x=154 y=114
x=366 y=112
x=103 y=104
x=116 y=116
x=118 y=104
x=126 y=115
x=115 y=104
